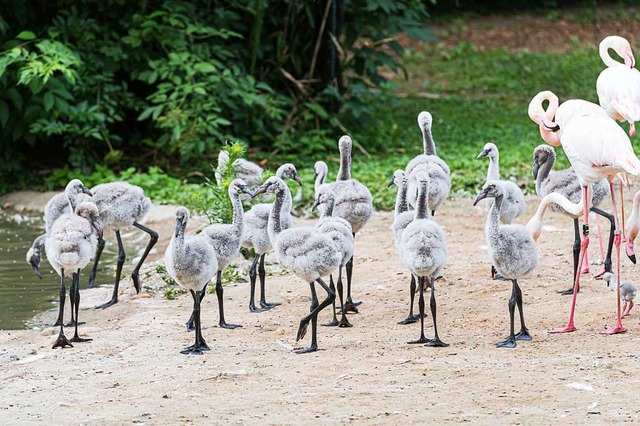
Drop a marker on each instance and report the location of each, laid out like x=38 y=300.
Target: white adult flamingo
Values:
x=597 y=148
x=618 y=85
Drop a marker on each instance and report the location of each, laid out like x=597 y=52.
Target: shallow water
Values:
x=22 y=294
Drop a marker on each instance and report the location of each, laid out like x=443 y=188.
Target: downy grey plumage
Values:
x=59 y=204
x=192 y=263
x=428 y=161
x=424 y=251
x=70 y=245
x=402 y=218
x=306 y=251
x=340 y=232
x=121 y=205
x=255 y=236
x=248 y=171
x=512 y=251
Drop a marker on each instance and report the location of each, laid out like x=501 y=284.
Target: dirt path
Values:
x=133 y=371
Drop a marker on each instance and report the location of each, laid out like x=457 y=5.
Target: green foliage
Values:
x=125 y=83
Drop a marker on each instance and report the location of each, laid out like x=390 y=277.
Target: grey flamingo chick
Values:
x=353 y=203
x=424 y=252
x=248 y=171
x=70 y=246
x=565 y=182
x=307 y=252
x=438 y=169
x=513 y=252
x=514 y=203
x=225 y=240
x=401 y=219
x=192 y=263
x=340 y=232
x=121 y=205
x=255 y=236
x=628 y=291
x=59 y=204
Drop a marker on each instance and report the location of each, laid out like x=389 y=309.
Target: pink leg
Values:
x=619 y=328
x=585 y=265
x=583 y=251
x=627 y=308
x=632 y=129
x=600 y=244
x=624 y=236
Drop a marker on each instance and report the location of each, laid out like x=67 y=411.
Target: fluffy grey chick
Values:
x=402 y=218
x=512 y=251
x=248 y=171
x=59 y=204
x=514 y=203
x=225 y=240
x=306 y=251
x=192 y=263
x=70 y=246
x=255 y=236
x=353 y=203
x=437 y=168
x=121 y=205
x=320 y=172
x=424 y=252
x=628 y=291
x=340 y=232
x=565 y=182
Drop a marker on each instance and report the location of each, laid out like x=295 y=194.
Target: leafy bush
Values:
x=131 y=83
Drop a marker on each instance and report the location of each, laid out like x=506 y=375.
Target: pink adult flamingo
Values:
x=618 y=85
x=597 y=148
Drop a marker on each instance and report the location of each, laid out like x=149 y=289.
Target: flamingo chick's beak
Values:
x=481 y=196
x=260 y=190
x=85 y=190
x=315 y=204
x=483 y=153
x=390 y=183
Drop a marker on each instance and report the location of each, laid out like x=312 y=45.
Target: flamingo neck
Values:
x=427 y=141
x=545 y=170
x=422 y=203
x=320 y=178
x=238 y=213
x=344 y=173
x=607 y=44
x=328 y=208
x=401 y=198
x=493 y=171
x=274 y=226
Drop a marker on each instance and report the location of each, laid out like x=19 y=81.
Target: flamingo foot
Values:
x=614 y=330
x=509 y=343
x=601 y=273
x=568 y=329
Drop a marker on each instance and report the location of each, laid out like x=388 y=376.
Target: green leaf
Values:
x=48 y=101
x=204 y=67
x=26 y=35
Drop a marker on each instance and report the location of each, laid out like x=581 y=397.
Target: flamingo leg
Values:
x=607 y=260
x=334 y=322
x=421 y=305
x=618 y=328
x=576 y=256
x=583 y=250
x=411 y=318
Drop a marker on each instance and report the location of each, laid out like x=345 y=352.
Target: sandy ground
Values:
x=133 y=371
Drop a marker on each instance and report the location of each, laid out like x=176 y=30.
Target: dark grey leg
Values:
x=61 y=341
x=152 y=242
x=92 y=276
x=220 y=294
x=611 y=219
x=262 y=273
x=121 y=259
x=350 y=305
x=76 y=290
x=252 y=278
x=511 y=340
x=523 y=334
x=199 y=345
x=411 y=318
x=423 y=338
x=334 y=322
x=191 y=322
x=304 y=322
x=344 y=322
x=436 y=340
